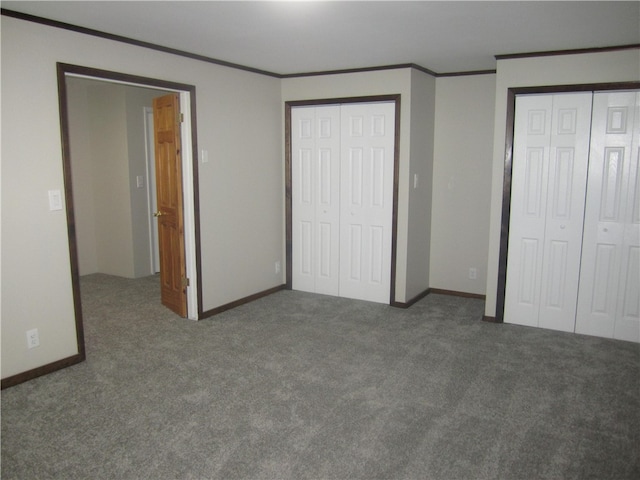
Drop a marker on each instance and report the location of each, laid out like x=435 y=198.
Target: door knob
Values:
x=158 y=214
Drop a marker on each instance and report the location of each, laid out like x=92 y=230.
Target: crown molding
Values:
x=577 y=51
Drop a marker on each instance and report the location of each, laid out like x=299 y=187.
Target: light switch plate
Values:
x=55 y=200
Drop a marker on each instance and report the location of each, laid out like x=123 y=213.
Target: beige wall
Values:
x=136 y=99
x=112 y=198
x=107 y=141
x=83 y=176
x=241 y=187
x=417 y=259
x=602 y=67
x=462 y=181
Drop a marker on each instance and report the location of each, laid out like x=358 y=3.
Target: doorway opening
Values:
x=186 y=93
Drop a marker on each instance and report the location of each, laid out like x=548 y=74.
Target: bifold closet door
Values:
x=342 y=167
x=366 y=200
x=609 y=300
x=549 y=172
x=315 y=174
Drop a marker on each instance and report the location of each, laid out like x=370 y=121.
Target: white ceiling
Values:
x=296 y=37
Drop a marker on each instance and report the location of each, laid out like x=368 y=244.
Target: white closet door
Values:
x=550 y=159
x=315 y=170
x=568 y=165
x=609 y=300
x=529 y=173
x=367 y=161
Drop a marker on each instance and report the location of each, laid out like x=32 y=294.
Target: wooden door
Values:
x=366 y=200
x=551 y=139
x=166 y=119
x=609 y=300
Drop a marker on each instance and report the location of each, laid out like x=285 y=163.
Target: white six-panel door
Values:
x=342 y=199
x=574 y=239
x=550 y=158
x=315 y=174
x=366 y=200
x=609 y=301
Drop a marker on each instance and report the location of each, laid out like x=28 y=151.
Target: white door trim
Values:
x=154 y=249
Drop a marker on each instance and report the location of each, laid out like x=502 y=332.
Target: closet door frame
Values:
x=508 y=164
x=288 y=177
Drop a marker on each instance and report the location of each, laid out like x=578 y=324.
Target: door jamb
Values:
x=154 y=260
x=396 y=98
x=508 y=164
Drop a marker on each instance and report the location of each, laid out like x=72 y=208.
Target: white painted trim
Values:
x=154 y=254
x=189 y=207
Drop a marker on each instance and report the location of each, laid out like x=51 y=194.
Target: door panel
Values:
x=368 y=135
x=549 y=171
x=532 y=136
x=568 y=164
x=342 y=199
x=166 y=111
x=315 y=152
x=608 y=304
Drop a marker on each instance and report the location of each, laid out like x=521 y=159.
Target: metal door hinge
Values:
x=181 y=117
x=185 y=282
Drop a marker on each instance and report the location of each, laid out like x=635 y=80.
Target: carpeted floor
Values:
x=303 y=386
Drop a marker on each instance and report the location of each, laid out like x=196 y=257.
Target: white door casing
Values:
x=151 y=190
x=342 y=166
x=609 y=300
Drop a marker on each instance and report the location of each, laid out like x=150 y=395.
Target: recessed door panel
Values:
x=306 y=248
x=354 y=254
x=533 y=181
x=376 y=240
x=611 y=186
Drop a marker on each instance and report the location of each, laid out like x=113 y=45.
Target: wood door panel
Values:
x=166 y=111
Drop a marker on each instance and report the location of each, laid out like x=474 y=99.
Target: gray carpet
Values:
x=303 y=386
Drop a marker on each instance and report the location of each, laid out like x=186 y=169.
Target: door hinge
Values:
x=185 y=282
x=181 y=117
